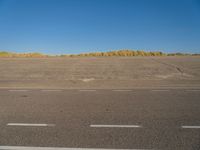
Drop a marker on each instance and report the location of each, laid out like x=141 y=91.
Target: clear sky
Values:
x=74 y=26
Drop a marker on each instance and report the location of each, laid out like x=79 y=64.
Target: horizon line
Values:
x=106 y=51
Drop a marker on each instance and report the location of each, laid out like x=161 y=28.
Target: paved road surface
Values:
x=164 y=119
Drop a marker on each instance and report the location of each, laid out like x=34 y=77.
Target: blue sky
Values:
x=74 y=26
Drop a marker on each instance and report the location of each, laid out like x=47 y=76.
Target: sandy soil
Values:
x=103 y=72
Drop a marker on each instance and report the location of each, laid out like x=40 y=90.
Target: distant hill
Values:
x=124 y=53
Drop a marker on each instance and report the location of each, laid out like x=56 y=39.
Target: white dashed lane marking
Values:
x=122 y=90
x=18 y=90
x=114 y=126
x=51 y=90
x=30 y=125
x=87 y=90
x=191 y=127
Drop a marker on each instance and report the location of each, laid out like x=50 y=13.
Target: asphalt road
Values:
x=164 y=119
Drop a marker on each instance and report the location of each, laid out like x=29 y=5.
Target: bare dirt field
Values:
x=100 y=73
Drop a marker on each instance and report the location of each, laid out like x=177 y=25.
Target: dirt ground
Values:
x=102 y=72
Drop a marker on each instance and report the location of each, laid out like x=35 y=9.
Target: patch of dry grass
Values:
x=124 y=53
x=21 y=55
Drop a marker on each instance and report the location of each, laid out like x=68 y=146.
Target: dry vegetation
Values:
x=21 y=55
x=95 y=54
